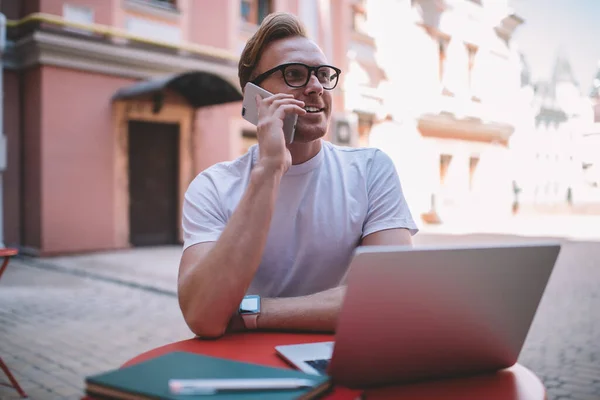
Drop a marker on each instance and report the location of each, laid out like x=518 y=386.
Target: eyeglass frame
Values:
x=260 y=78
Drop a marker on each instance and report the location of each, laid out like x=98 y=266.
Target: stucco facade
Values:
x=451 y=85
x=434 y=83
x=68 y=182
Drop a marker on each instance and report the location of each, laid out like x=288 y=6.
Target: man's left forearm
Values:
x=316 y=312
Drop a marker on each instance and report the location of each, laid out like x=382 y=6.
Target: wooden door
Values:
x=153 y=183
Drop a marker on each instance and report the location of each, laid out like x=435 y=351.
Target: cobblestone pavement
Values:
x=563 y=346
x=58 y=326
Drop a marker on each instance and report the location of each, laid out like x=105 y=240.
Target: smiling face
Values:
x=318 y=101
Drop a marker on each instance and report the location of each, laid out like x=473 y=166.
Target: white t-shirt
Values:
x=323 y=209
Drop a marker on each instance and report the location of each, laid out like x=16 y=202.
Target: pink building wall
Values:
x=12 y=175
x=214 y=27
x=216 y=138
x=68 y=179
x=77 y=158
x=340 y=30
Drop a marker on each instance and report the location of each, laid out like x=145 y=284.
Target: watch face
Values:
x=250 y=305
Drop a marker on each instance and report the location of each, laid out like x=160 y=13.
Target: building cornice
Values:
x=442 y=126
x=109 y=57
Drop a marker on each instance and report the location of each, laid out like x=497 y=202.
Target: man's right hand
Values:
x=273 y=153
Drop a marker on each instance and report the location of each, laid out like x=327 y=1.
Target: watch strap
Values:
x=250 y=321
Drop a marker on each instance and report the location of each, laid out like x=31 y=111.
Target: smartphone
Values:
x=250 y=111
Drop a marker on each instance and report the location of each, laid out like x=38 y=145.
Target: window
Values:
x=254 y=11
x=80 y=15
x=472 y=52
x=152 y=29
x=445 y=160
x=473 y=161
x=454 y=64
x=168 y=4
x=443 y=53
x=163 y=9
x=479 y=73
x=359 y=17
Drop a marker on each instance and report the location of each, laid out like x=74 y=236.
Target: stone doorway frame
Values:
x=174 y=109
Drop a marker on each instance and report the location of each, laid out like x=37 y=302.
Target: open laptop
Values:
x=430 y=312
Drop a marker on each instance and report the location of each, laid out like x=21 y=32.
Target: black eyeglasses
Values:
x=297 y=75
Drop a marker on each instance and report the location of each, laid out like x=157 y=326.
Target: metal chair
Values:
x=7 y=253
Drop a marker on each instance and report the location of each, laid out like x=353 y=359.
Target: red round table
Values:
x=515 y=383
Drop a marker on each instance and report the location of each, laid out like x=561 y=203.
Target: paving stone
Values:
x=554 y=393
x=60 y=335
x=585 y=389
x=57 y=327
x=578 y=396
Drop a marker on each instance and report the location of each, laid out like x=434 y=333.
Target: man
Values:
x=282 y=221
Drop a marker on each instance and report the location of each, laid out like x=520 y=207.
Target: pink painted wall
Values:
x=214 y=137
x=340 y=29
x=12 y=174
x=102 y=9
x=68 y=182
x=286 y=5
x=77 y=160
x=217 y=27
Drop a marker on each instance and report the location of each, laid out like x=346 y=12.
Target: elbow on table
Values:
x=203 y=315
x=205 y=327
x=208 y=332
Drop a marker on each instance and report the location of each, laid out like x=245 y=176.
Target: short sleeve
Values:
x=202 y=217
x=387 y=206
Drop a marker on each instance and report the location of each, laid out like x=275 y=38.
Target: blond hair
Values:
x=274 y=27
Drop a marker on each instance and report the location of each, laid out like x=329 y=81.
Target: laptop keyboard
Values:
x=319 y=365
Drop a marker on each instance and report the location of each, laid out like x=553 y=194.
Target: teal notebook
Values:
x=149 y=379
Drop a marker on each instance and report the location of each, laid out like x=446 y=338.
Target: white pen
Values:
x=212 y=386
